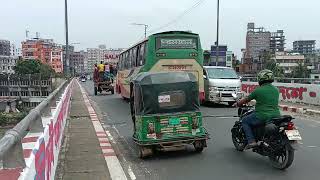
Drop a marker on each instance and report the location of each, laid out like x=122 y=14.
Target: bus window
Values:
x=126 y=60
x=134 y=57
x=138 y=56
x=119 y=62
x=130 y=58
x=145 y=52
x=142 y=53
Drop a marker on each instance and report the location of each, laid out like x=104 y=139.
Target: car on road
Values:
x=83 y=78
x=222 y=84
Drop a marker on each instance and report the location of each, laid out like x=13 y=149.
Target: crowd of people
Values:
x=104 y=72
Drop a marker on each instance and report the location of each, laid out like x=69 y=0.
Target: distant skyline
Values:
x=105 y=22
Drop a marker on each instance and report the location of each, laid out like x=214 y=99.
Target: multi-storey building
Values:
x=112 y=55
x=289 y=61
x=4 y=48
x=57 y=59
x=77 y=62
x=38 y=49
x=7 y=64
x=222 y=50
x=257 y=41
x=277 y=41
x=44 y=50
x=8 y=58
x=305 y=47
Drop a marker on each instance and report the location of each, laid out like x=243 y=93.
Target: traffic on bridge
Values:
x=173 y=103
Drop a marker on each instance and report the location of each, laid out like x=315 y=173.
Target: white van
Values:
x=222 y=84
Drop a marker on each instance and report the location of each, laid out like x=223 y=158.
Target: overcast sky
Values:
x=94 y=22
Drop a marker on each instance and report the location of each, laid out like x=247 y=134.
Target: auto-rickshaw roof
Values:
x=153 y=78
x=165 y=92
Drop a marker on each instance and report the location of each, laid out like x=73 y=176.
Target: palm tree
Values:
x=301 y=71
x=270 y=63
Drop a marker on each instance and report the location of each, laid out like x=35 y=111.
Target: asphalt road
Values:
x=219 y=161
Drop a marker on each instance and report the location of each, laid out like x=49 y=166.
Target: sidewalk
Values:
x=81 y=158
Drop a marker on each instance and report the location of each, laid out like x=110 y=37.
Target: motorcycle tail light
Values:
x=151 y=129
x=290 y=126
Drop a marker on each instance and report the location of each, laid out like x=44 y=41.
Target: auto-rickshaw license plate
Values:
x=174 y=121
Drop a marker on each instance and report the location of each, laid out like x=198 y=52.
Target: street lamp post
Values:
x=217 y=48
x=145 y=28
x=67 y=37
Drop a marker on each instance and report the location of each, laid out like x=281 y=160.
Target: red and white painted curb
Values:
x=292 y=109
x=115 y=169
x=299 y=110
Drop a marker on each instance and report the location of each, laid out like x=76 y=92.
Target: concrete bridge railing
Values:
x=30 y=149
x=291 y=92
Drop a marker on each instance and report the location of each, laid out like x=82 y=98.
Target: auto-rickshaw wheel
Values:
x=145 y=152
x=95 y=91
x=199 y=145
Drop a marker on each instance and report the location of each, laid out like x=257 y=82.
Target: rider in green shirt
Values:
x=267 y=105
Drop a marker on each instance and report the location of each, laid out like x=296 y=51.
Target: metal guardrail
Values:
x=11 y=152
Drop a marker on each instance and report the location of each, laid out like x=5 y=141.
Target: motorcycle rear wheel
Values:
x=284 y=160
x=238 y=141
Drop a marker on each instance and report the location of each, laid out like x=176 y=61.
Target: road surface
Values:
x=219 y=161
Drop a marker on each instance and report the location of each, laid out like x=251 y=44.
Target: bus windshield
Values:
x=222 y=73
x=176 y=43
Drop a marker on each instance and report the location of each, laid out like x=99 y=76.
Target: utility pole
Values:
x=145 y=28
x=217 y=48
x=67 y=38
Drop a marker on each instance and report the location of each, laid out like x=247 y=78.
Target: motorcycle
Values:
x=277 y=140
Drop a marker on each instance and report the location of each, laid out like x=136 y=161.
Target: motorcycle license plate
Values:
x=293 y=135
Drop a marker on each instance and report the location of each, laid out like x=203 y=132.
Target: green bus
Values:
x=161 y=52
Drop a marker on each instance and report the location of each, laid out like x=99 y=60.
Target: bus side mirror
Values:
x=204 y=76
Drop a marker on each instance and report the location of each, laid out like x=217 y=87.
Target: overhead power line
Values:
x=187 y=11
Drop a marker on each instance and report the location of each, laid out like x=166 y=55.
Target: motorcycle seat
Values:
x=284 y=118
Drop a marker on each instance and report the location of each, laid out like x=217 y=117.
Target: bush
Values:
x=11 y=118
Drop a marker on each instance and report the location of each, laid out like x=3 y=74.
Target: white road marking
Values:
x=131 y=174
x=104 y=139
x=105 y=144
x=107 y=150
x=110 y=137
x=312 y=146
x=115 y=168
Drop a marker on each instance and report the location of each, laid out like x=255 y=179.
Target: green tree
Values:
x=46 y=71
x=27 y=67
x=270 y=63
x=33 y=67
x=301 y=71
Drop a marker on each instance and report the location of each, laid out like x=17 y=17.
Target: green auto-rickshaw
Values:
x=166 y=113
